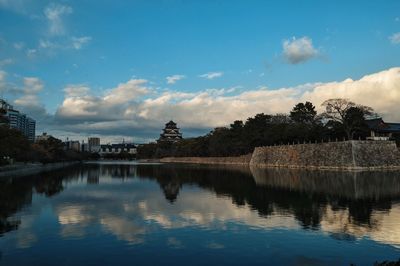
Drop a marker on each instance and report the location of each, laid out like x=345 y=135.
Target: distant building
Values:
x=170 y=133
x=42 y=137
x=380 y=130
x=30 y=130
x=18 y=120
x=72 y=145
x=94 y=144
x=85 y=147
x=118 y=148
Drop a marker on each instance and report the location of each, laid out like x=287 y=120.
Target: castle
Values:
x=170 y=133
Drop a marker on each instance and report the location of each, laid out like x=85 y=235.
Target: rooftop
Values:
x=378 y=124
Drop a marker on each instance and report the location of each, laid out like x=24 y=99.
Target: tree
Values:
x=52 y=149
x=354 y=121
x=13 y=144
x=280 y=119
x=303 y=113
x=343 y=111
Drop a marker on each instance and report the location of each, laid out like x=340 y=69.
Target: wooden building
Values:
x=381 y=130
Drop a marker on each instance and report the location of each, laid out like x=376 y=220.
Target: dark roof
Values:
x=381 y=126
x=171 y=123
x=394 y=126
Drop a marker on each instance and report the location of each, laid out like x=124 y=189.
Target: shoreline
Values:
x=31 y=169
x=337 y=156
x=225 y=161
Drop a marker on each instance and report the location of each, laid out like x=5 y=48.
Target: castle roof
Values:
x=170 y=132
x=170 y=123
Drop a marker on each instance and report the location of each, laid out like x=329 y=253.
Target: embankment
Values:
x=352 y=155
x=238 y=160
x=31 y=169
x=345 y=155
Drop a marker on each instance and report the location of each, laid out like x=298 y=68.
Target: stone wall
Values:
x=241 y=160
x=333 y=155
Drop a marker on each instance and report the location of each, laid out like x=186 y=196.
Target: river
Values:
x=165 y=214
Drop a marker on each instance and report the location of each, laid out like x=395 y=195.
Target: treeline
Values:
x=341 y=120
x=16 y=147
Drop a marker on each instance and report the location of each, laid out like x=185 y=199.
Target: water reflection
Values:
x=306 y=194
x=15 y=193
x=121 y=200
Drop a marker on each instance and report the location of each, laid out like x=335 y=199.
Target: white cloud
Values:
x=174 y=78
x=76 y=90
x=132 y=106
x=29 y=102
x=211 y=75
x=299 y=50
x=19 y=45
x=395 y=38
x=126 y=92
x=46 y=44
x=32 y=85
x=114 y=104
x=7 y=61
x=49 y=47
x=14 y=5
x=31 y=53
x=380 y=90
x=54 y=14
x=79 y=42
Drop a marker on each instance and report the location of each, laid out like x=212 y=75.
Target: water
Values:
x=129 y=214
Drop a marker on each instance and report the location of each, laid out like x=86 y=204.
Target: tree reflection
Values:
x=305 y=194
x=15 y=193
x=310 y=196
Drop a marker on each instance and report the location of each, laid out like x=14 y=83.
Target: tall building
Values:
x=30 y=129
x=18 y=120
x=94 y=144
x=170 y=133
x=72 y=145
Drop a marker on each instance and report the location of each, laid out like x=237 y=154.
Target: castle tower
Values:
x=170 y=133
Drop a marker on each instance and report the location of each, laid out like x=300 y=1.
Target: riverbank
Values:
x=238 y=160
x=345 y=155
x=21 y=169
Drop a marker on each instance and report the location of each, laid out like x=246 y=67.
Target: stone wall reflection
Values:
x=347 y=184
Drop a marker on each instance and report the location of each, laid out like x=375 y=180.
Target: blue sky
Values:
x=243 y=47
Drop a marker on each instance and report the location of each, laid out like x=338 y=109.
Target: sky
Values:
x=121 y=69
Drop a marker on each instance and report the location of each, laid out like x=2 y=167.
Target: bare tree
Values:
x=338 y=110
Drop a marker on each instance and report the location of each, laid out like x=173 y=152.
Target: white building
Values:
x=118 y=148
x=19 y=120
